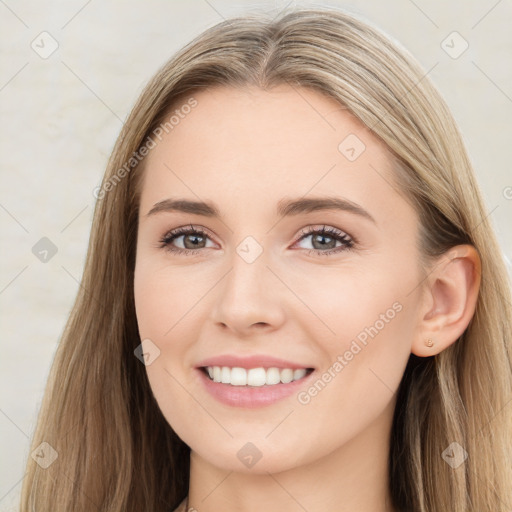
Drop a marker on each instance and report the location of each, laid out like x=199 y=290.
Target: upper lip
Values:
x=254 y=361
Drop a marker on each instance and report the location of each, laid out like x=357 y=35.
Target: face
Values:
x=323 y=293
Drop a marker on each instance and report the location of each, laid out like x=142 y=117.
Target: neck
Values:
x=352 y=477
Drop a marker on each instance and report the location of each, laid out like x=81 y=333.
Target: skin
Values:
x=245 y=150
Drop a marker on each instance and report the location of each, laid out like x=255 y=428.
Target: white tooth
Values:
x=298 y=374
x=226 y=375
x=256 y=376
x=238 y=377
x=273 y=376
x=286 y=375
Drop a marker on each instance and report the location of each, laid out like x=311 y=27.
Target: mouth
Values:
x=255 y=377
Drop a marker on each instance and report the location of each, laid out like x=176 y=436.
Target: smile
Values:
x=256 y=377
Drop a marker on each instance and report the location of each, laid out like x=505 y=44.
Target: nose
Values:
x=249 y=299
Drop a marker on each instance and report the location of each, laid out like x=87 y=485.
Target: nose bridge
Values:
x=249 y=293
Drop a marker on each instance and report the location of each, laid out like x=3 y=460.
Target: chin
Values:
x=255 y=458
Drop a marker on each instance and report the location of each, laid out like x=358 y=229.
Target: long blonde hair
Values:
x=115 y=450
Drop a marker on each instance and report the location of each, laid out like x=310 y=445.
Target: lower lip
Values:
x=251 y=396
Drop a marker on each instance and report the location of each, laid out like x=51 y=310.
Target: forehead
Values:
x=248 y=146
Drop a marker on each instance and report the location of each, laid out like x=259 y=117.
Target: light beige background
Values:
x=61 y=115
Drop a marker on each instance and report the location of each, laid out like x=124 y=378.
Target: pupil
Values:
x=194 y=244
x=323 y=237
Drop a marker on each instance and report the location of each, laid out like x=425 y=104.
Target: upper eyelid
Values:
x=324 y=228
x=307 y=231
x=186 y=230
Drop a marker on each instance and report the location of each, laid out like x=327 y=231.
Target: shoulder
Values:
x=182 y=506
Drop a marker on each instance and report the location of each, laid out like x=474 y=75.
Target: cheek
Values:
x=344 y=303
x=165 y=315
x=156 y=307
x=362 y=372
x=162 y=298
x=150 y=305
x=369 y=324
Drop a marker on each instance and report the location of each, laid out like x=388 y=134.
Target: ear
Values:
x=449 y=302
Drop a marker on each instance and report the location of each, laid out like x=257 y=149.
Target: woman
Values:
x=292 y=298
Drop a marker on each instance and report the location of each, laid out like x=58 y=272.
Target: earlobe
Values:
x=450 y=300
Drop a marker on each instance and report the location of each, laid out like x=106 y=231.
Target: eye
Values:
x=326 y=239
x=194 y=239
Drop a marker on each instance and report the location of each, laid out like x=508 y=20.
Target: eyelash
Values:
x=347 y=242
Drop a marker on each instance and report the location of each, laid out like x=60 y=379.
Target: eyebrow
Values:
x=285 y=207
